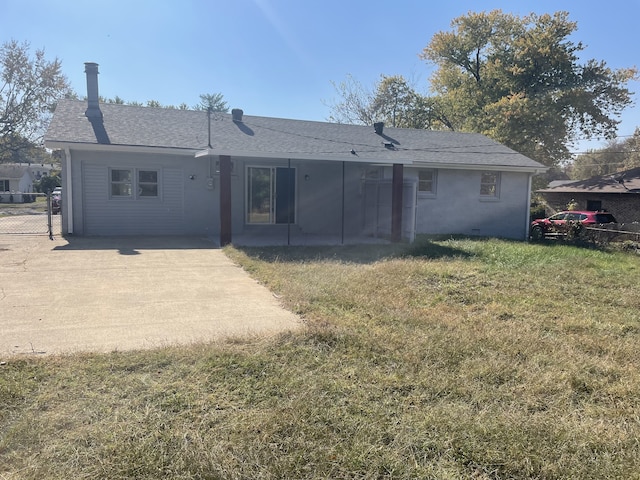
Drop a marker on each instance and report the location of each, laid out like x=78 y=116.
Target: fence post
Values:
x=49 y=220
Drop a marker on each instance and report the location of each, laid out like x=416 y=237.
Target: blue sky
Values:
x=279 y=57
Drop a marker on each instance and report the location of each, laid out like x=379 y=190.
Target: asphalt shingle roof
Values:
x=620 y=182
x=134 y=126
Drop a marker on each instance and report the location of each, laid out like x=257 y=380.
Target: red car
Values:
x=558 y=225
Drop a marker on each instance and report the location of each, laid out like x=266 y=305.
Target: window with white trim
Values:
x=490 y=184
x=427 y=180
x=147 y=183
x=134 y=183
x=4 y=186
x=121 y=179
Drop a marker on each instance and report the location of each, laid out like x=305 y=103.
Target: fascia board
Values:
x=93 y=147
x=208 y=152
x=475 y=166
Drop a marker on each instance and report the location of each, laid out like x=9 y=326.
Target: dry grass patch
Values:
x=449 y=359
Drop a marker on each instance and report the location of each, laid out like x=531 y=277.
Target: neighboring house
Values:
x=131 y=170
x=39 y=170
x=19 y=177
x=618 y=193
x=13 y=178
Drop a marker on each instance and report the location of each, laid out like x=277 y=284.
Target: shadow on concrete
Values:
x=131 y=245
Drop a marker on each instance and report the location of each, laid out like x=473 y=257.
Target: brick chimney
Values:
x=93 y=104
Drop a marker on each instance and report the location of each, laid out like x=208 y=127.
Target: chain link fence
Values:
x=30 y=214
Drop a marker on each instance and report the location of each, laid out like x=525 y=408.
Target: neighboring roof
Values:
x=132 y=126
x=620 y=182
x=12 y=171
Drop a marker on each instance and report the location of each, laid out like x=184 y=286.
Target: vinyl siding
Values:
x=103 y=215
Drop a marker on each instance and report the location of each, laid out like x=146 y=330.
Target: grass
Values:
x=7 y=208
x=447 y=359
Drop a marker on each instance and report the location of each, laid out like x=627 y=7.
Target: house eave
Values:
x=93 y=147
x=215 y=152
x=302 y=156
x=208 y=152
x=484 y=167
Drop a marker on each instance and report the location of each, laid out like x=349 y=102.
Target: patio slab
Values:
x=122 y=293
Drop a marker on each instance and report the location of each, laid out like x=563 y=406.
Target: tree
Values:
x=392 y=101
x=518 y=81
x=213 y=101
x=616 y=156
x=355 y=106
x=397 y=104
x=155 y=103
x=48 y=182
x=30 y=87
x=631 y=149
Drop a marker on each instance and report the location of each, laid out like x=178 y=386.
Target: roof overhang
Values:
x=211 y=152
x=492 y=168
x=95 y=147
x=214 y=152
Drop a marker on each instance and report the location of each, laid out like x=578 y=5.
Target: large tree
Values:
x=30 y=86
x=519 y=81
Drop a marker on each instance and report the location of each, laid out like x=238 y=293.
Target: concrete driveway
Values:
x=105 y=294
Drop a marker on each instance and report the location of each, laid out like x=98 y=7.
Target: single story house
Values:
x=617 y=193
x=19 y=177
x=130 y=170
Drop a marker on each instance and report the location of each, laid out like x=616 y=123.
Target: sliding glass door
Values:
x=271 y=195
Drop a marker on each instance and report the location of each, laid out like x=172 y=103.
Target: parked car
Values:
x=561 y=223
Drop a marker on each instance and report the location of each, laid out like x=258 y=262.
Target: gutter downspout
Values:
x=69 y=190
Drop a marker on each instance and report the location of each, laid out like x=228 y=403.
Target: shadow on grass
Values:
x=422 y=247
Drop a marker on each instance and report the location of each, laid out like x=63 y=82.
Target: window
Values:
x=427 y=181
x=4 y=185
x=121 y=183
x=147 y=183
x=489 y=184
x=126 y=181
x=593 y=205
x=270 y=195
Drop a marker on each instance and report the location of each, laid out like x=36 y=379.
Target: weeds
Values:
x=446 y=359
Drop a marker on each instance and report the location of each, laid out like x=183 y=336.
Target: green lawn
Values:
x=40 y=204
x=449 y=359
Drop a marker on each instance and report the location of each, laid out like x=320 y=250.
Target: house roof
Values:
x=133 y=126
x=620 y=182
x=12 y=171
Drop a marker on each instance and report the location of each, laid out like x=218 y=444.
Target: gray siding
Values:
x=458 y=208
x=189 y=204
x=131 y=216
x=186 y=203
